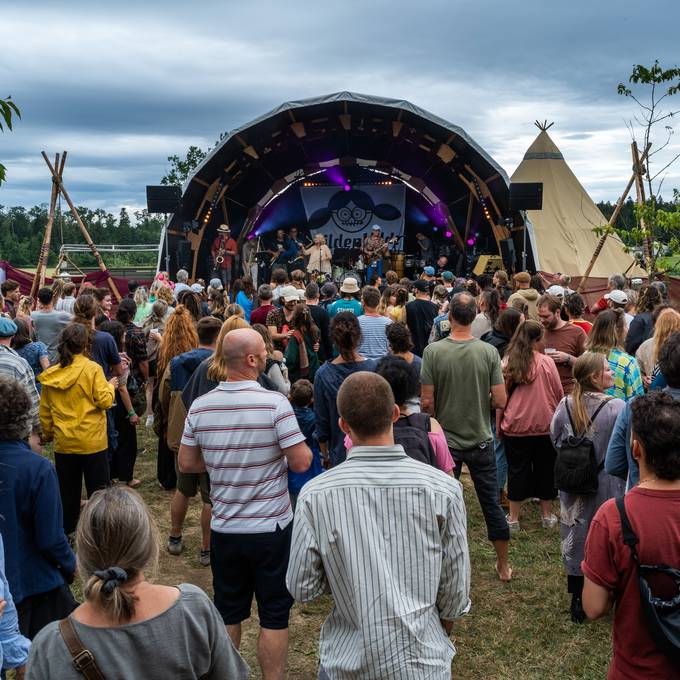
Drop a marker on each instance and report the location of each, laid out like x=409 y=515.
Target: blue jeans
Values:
x=501 y=460
x=374 y=269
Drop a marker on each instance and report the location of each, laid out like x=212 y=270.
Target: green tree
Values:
x=650 y=88
x=8 y=109
x=182 y=168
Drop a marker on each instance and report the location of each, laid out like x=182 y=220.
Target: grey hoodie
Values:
x=528 y=296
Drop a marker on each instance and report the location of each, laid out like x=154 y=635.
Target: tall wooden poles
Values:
x=635 y=177
x=57 y=171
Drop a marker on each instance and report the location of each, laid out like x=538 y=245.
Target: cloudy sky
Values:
x=123 y=86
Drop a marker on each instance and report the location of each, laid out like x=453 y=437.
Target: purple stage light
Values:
x=448 y=234
x=347 y=187
x=471 y=242
x=435 y=228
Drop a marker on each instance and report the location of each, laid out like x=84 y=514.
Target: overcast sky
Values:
x=124 y=86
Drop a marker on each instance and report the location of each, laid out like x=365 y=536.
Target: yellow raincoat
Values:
x=73 y=406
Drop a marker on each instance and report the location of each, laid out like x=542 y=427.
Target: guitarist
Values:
x=296 y=259
x=374 y=249
x=279 y=250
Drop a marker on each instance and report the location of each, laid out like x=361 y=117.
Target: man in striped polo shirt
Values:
x=247 y=438
x=387 y=535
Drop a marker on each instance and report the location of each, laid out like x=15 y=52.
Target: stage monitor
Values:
x=526 y=196
x=163 y=199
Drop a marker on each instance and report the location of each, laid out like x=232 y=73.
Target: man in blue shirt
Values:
x=347 y=301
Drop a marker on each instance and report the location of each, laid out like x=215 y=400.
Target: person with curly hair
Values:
x=75 y=398
x=301 y=354
x=346 y=336
x=39 y=560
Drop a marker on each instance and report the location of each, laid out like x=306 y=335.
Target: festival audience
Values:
x=575 y=307
x=141 y=298
x=420 y=315
x=48 y=323
x=278 y=319
x=243 y=293
x=338 y=546
x=401 y=298
x=264 y=297
x=252 y=517
x=666 y=322
x=321 y=320
x=489 y=310
x=35 y=353
x=348 y=299
x=465 y=414
x=301 y=355
x=652 y=513
x=587 y=412
x=373 y=325
x=642 y=326
x=525 y=295
x=153 y=327
x=11 y=293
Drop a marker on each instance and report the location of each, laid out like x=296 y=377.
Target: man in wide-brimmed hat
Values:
x=374 y=250
x=223 y=251
x=348 y=299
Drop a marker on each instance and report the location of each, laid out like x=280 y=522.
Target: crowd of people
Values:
x=325 y=429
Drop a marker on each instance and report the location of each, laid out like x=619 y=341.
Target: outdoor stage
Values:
x=339 y=164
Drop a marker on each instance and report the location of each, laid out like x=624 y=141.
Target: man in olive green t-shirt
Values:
x=462 y=381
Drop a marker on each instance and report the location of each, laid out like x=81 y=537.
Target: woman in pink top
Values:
x=424 y=434
x=534 y=392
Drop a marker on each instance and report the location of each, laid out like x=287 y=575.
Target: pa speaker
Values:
x=163 y=199
x=526 y=196
x=183 y=254
x=508 y=253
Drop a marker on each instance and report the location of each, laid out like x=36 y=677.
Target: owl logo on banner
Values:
x=352 y=212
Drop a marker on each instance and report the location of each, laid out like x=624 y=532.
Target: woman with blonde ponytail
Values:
x=133 y=628
x=591 y=412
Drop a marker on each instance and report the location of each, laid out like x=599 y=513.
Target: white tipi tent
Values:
x=561 y=234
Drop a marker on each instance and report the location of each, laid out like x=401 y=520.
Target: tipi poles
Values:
x=612 y=220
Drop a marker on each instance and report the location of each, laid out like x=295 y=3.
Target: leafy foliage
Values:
x=653 y=222
x=8 y=109
x=182 y=168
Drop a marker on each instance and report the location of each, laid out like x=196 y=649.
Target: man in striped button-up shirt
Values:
x=386 y=535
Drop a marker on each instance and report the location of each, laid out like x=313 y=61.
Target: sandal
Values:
x=134 y=483
x=504 y=580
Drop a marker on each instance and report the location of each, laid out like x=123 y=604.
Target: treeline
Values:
x=626 y=221
x=22 y=231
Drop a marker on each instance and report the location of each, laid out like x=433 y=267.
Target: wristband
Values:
x=131 y=413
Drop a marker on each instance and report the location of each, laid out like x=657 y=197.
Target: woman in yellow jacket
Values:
x=73 y=405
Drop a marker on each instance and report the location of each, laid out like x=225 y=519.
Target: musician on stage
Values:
x=426 y=249
x=294 y=252
x=223 y=251
x=373 y=250
x=279 y=250
x=319 y=256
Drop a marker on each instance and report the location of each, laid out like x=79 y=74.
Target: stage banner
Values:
x=346 y=217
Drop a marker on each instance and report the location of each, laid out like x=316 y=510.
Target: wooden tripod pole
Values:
x=612 y=221
x=39 y=278
x=647 y=244
x=86 y=234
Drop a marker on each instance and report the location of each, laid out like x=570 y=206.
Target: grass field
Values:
x=516 y=630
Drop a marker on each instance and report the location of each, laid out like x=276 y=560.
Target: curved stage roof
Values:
x=257 y=162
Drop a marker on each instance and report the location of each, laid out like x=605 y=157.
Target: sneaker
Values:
x=175 y=545
x=576 y=609
x=513 y=526
x=149 y=420
x=204 y=559
x=549 y=522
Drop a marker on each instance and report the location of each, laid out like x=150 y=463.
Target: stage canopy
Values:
x=342 y=136
x=562 y=233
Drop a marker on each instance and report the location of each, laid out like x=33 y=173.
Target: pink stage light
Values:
x=471 y=242
x=347 y=187
x=448 y=234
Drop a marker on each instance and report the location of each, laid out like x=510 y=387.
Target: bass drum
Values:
x=348 y=274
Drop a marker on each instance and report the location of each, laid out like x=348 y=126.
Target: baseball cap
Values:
x=375 y=227
x=422 y=285
x=7 y=327
x=447 y=276
x=196 y=288
x=329 y=289
x=428 y=271
x=617 y=297
x=289 y=294
x=556 y=291
x=216 y=283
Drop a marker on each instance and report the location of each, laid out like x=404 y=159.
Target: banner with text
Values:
x=346 y=217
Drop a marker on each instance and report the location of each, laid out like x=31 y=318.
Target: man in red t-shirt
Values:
x=563 y=341
x=264 y=296
x=223 y=249
x=653 y=509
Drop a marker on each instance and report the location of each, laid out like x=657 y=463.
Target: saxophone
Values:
x=219 y=259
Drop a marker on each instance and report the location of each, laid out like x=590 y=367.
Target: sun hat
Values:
x=349 y=285
x=555 y=291
x=618 y=297
x=289 y=294
x=224 y=229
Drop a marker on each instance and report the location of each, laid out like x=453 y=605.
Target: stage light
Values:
x=435 y=228
x=448 y=234
x=347 y=187
x=471 y=242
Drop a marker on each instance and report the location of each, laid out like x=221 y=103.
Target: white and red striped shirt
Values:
x=241 y=428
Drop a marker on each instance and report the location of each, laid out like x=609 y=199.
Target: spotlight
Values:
x=347 y=187
x=471 y=242
x=448 y=234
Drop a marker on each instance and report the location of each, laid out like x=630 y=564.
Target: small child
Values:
x=302 y=397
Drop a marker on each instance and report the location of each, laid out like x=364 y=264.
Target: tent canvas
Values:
x=562 y=235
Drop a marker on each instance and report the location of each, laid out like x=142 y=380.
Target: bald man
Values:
x=410 y=547
x=247 y=438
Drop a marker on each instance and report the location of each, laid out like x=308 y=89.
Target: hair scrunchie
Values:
x=112 y=577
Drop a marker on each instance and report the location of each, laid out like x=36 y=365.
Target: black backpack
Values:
x=412 y=433
x=661 y=616
x=576 y=466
